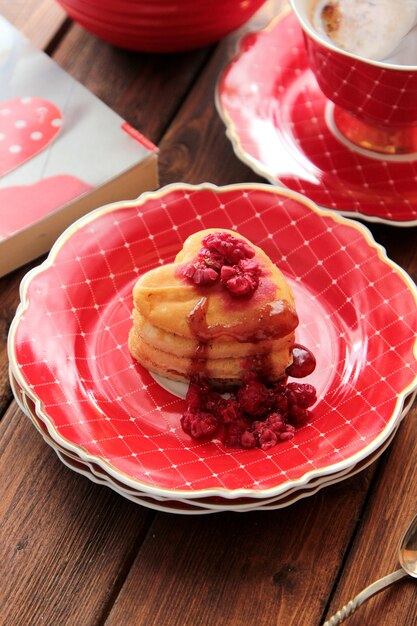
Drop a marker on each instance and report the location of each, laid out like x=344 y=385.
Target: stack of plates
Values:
x=160 y=25
x=109 y=419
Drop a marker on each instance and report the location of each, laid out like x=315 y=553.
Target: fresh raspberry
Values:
x=199 y=425
x=200 y=274
x=254 y=416
x=255 y=398
x=230 y=411
x=241 y=279
x=267 y=439
x=247 y=439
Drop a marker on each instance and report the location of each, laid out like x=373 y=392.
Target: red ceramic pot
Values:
x=160 y=25
x=376 y=102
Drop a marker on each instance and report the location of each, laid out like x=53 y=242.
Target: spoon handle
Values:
x=354 y=604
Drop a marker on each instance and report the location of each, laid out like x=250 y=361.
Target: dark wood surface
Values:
x=76 y=553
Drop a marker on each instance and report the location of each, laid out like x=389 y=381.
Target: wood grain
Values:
x=38 y=20
x=391 y=506
x=72 y=552
x=145 y=89
x=66 y=543
x=241 y=568
x=195 y=147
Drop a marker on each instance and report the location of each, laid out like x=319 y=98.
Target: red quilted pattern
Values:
x=69 y=351
x=278 y=120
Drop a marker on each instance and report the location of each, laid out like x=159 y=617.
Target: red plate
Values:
x=68 y=342
x=280 y=124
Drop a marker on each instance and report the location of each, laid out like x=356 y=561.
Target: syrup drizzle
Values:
x=197 y=322
x=303 y=363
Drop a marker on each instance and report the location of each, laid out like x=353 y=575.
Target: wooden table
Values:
x=75 y=553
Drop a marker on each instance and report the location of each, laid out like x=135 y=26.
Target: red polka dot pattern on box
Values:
x=27 y=126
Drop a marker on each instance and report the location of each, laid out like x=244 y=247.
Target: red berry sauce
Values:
x=255 y=416
x=304 y=362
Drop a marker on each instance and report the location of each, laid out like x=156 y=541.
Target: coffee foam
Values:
x=382 y=30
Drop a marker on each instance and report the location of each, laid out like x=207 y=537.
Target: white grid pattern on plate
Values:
x=99 y=400
x=207 y=504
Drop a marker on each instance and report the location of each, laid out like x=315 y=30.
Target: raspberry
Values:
x=194 y=396
x=200 y=274
x=281 y=400
x=286 y=435
x=186 y=420
x=232 y=439
x=254 y=416
x=239 y=252
x=255 y=398
x=249 y=266
x=267 y=439
x=275 y=422
x=305 y=394
x=230 y=411
x=230 y=247
x=225 y=255
x=227 y=272
x=213 y=402
x=298 y=416
x=199 y=425
x=211 y=259
x=258 y=428
x=241 y=279
x=241 y=286
x=247 y=439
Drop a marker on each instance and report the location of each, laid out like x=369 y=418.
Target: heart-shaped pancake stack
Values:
x=220 y=310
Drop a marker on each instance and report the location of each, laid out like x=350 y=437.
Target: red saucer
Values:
x=280 y=125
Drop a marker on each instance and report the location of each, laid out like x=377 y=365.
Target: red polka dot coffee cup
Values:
x=375 y=101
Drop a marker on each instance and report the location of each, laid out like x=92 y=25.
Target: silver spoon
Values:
x=407 y=555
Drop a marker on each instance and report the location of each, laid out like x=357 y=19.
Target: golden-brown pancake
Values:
x=180 y=326
x=228 y=369
x=166 y=299
x=219 y=348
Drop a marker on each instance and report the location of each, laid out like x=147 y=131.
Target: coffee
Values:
x=373 y=29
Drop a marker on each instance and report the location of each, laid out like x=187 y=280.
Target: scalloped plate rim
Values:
x=212 y=491
x=272 y=503
x=253 y=163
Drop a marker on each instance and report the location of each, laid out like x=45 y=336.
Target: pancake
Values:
x=218 y=348
x=228 y=369
x=181 y=328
